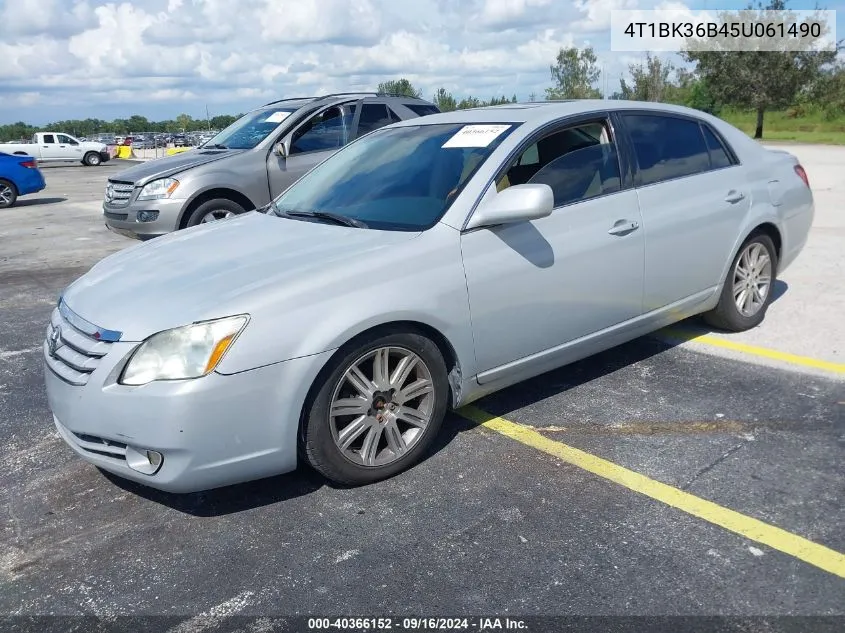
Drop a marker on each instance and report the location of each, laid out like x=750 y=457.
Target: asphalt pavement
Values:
x=488 y=523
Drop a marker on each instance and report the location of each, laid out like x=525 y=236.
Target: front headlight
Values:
x=158 y=189
x=191 y=351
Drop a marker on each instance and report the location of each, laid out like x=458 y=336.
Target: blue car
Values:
x=19 y=176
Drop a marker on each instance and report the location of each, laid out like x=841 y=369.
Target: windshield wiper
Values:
x=337 y=218
x=215 y=146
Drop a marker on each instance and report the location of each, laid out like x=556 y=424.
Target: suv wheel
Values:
x=213 y=210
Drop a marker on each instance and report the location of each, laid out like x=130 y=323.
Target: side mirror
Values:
x=279 y=149
x=519 y=203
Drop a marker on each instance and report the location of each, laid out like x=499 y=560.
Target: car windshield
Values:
x=250 y=129
x=400 y=179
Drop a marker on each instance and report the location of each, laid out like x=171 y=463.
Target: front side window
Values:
x=666 y=147
x=249 y=130
x=578 y=162
x=401 y=179
x=64 y=138
x=329 y=129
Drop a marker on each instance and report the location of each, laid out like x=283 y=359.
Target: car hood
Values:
x=142 y=173
x=216 y=270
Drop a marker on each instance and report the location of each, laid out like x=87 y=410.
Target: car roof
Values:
x=295 y=103
x=539 y=112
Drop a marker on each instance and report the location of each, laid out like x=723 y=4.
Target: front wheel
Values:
x=747 y=291
x=378 y=409
x=91 y=159
x=8 y=194
x=213 y=210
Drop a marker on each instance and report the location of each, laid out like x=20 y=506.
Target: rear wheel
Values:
x=213 y=210
x=378 y=409
x=747 y=291
x=92 y=159
x=8 y=194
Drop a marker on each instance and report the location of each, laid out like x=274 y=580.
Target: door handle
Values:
x=734 y=196
x=623 y=227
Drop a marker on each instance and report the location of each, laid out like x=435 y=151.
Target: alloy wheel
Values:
x=752 y=279
x=6 y=195
x=217 y=214
x=381 y=406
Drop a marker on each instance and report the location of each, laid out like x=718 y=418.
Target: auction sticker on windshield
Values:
x=277 y=117
x=475 y=135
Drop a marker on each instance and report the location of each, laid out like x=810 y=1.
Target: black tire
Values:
x=318 y=446
x=218 y=204
x=91 y=159
x=726 y=315
x=11 y=194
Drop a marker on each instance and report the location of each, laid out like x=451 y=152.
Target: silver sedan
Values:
x=423 y=266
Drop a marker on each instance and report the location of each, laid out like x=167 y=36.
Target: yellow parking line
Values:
x=682 y=335
x=817 y=555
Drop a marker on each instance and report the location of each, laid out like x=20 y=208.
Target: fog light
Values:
x=143 y=460
x=147 y=216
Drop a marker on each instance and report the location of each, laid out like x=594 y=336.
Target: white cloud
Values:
x=110 y=58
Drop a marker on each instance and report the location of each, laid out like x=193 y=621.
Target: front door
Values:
x=536 y=285
x=69 y=148
x=309 y=145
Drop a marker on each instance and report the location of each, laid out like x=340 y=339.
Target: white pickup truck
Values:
x=49 y=146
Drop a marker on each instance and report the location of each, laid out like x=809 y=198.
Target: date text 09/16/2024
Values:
x=418 y=624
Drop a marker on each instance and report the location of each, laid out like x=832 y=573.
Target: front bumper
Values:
x=211 y=431
x=105 y=156
x=124 y=220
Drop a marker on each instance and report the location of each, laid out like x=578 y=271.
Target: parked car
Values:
x=180 y=140
x=142 y=142
x=50 y=146
x=421 y=267
x=246 y=165
x=19 y=176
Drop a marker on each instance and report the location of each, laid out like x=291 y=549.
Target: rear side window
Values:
x=666 y=147
x=420 y=109
x=718 y=155
x=49 y=138
x=373 y=116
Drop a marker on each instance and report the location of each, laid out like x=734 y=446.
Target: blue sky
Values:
x=100 y=58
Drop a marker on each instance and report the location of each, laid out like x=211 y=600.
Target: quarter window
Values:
x=666 y=147
x=718 y=156
x=421 y=109
x=578 y=163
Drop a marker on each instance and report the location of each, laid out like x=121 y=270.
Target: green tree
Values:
x=757 y=79
x=470 y=102
x=574 y=74
x=399 y=87
x=183 y=122
x=444 y=100
x=650 y=80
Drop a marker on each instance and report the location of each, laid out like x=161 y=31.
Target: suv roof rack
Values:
x=342 y=94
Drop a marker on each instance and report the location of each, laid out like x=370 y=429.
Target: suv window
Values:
x=578 y=163
x=327 y=130
x=666 y=147
x=373 y=116
x=421 y=109
x=718 y=155
x=49 y=138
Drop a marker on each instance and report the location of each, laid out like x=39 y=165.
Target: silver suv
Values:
x=248 y=164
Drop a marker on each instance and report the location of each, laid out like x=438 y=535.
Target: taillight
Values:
x=29 y=163
x=802 y=174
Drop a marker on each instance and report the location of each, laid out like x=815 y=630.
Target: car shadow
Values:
x=34 y=202
x=303 y=481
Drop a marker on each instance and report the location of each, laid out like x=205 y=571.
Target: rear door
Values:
x=50 y=149
x=693 y=198
x=310 y=143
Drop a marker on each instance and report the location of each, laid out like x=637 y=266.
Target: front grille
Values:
x=116 y=216
x=118 y=193
x=69 y=352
